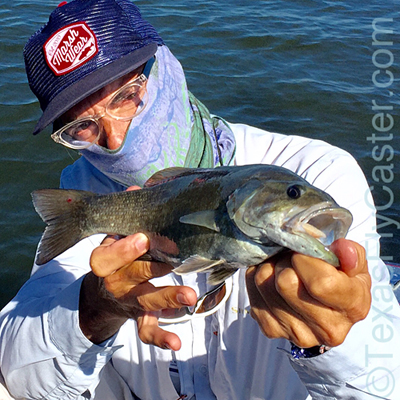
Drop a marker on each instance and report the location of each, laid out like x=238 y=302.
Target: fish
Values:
x=202 y=220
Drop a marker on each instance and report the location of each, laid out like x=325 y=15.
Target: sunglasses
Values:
x=206 y=305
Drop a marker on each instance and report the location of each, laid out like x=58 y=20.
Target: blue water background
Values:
x=297 y=67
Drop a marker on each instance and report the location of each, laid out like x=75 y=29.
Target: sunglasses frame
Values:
x=192 y=314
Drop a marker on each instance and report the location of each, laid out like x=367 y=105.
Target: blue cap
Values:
x=85 y=45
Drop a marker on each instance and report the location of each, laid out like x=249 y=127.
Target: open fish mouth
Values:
x=323 y=222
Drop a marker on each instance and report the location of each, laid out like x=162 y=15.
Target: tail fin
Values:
x=62 y=210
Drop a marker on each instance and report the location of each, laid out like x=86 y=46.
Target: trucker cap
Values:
x=85 y=45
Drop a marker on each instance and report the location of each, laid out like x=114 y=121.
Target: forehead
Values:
x=98 y=98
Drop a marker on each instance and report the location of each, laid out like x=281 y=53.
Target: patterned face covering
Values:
x=173 y=130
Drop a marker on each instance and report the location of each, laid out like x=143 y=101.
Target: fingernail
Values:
x=353 y=257
x=182 y=299
x=141 y=243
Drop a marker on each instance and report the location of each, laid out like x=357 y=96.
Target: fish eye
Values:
x=294 y=192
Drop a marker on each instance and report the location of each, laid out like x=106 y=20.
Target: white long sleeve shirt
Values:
x=44 y=354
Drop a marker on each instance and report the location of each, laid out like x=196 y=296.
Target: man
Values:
x=86 y=323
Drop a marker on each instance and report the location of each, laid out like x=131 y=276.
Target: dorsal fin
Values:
x=166 y=175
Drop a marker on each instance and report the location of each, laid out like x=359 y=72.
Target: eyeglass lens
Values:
x=85 y=130
x=126 y=104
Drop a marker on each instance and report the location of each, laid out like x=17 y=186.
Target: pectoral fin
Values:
x=201 y=218
x=196 y=263
x=219 y=269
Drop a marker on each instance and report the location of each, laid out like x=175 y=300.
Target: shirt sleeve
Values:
x=57 y=361
x=367 y=364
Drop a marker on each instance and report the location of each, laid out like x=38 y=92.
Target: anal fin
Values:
x=220 y=275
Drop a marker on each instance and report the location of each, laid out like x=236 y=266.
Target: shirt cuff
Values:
x=366 y=364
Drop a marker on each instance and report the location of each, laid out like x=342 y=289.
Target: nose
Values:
x=113 y=132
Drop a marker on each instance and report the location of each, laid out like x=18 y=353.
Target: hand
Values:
x=118 y=288
x=307 y=300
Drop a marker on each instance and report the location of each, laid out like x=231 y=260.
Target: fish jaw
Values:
x=313 y=230
x=306 y=230
x=324 y=221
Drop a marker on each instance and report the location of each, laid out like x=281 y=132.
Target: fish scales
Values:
x=135 y=211
x=209 y=220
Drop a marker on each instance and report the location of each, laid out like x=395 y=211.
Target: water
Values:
x=296 y=67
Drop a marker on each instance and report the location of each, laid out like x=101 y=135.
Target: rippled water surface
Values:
x=296 y=67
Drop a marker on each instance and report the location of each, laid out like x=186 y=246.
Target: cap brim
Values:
x=91 y=83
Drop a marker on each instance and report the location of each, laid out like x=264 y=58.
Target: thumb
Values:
x=351 y=256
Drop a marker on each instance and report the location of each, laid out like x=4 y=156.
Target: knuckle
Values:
x=138 y=271
x=268 y=326
x=96 y=266
x=322 y=286
x=269 y=331
x=149 y=298
x=301 y=334
x=335 y=334
x=171 y=299
x=262 y=275
x=142 y=303
x=287 y=281
x=270 y=334
x=127 y=254
x=359 y=309
x=334 y=340
x=145 y=336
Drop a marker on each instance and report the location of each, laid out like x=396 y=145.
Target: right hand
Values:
x=118 y=288
x=128 y=282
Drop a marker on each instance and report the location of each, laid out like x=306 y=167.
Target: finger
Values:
x=150 y=333
x=316 y=323
x=275 y=318
x=321 y=280
x=351 y=256
x=332 y=287
x=136 y=273
x=113 y=254
x=147 y=297
x=281 y=290
x=260 y=311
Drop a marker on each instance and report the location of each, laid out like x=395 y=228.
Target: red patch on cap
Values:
x=70 y=47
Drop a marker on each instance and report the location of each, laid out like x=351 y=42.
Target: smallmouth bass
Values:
x=202 y=220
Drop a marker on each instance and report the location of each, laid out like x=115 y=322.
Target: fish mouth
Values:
x=323 y=223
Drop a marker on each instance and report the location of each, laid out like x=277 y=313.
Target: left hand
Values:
x=307 y=300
